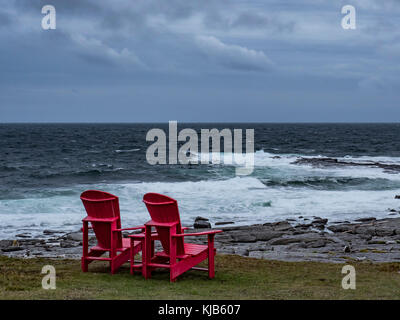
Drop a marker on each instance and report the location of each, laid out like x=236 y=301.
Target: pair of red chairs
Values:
x=176 y=255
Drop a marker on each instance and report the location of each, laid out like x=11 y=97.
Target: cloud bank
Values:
x=205 y=60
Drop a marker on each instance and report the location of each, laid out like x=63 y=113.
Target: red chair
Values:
x=177 y=255
x=103 y=213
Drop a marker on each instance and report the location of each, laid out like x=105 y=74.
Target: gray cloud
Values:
x=173 y=58
x=233 y=56
x=98 y=51
x=4 y=19
x=252 y=20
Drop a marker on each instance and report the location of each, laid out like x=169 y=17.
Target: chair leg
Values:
x=172 y=255
x=132 y=256
x=146 y=271
x=146 y=254
x=85 y=241
x=84 y=265
x=211 y=269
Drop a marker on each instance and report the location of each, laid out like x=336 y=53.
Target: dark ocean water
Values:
x=44 y=168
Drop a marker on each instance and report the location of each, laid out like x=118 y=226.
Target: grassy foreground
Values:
x=236 y=278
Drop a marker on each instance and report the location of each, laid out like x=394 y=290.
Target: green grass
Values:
x=236 y=278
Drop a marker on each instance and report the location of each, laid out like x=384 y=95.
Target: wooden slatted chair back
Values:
x=164 y=209
x=103 y=205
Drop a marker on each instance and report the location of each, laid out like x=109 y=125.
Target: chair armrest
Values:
x=152 y=223
x=90 y=219
x=124 y=229
x=211 y=232
x=154 y=235
x=184 y=228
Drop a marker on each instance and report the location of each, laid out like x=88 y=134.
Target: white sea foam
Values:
x=127 y=150
x=243 y=200
x=284 y=164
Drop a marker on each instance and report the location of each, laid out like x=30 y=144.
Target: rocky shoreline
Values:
x=316 y=240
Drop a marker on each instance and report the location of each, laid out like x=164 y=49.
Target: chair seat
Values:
x=126 y=242
x=191 y=249
x=194 y=249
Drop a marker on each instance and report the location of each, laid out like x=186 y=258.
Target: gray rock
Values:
x=242 y=252
x=364 y=229
x=69 y=244
x=299 y=231
x=228 y=229
x=198 y=218
x=256 y=254
x=282 y=226
x=375 y=240
x=347 y=249
x=284 y=241
x=320 y=221
x=51 y=231
x=10 y=245
x=244 y=237
x=74 y=236
x=385 y=231
x=316 y=244
x=24 y=235
x=6 y=243
x=266 y=235
x=223 y=223
x=341 y=228
x=370 y=219
x=304 y=226
x=296 y=246
x=334 y=240
x=11 y=249
x=224 y=237
x=319 y=226
x=228 y=250
x=288 y=239
x=201 y=224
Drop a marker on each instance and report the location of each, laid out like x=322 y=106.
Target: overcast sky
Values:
x=200 y=60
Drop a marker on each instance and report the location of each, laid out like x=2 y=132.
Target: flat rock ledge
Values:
x=367 y=239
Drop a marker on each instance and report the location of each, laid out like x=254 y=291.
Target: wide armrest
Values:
x=154 y=235
x=197 y=233
x=90 y=219
x=152 y=223
x=134 y=228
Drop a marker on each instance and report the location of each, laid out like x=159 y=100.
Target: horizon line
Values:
x=201 y=122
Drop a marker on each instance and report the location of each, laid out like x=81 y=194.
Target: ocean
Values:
x=45 y=167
